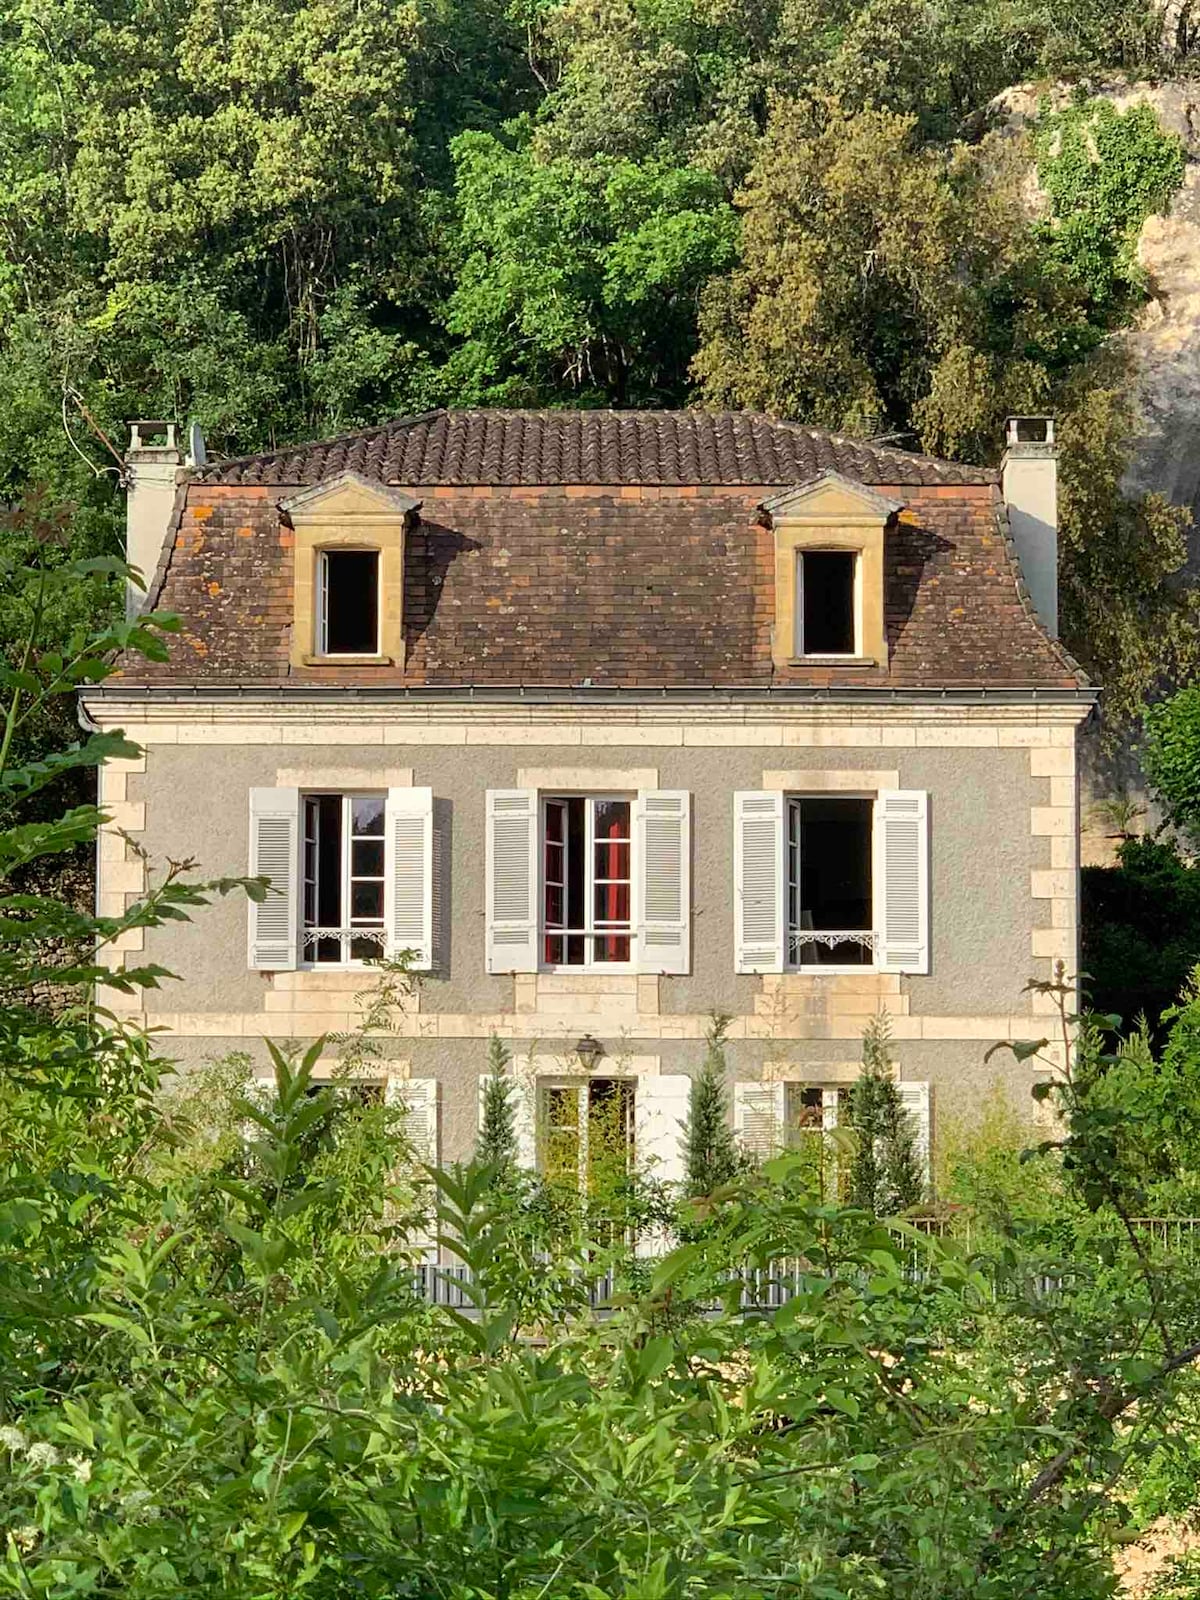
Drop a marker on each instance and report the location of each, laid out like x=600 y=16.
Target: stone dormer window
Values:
x=829 y=573
x=348 y=605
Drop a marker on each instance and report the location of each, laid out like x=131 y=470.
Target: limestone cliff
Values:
x=1166 y=338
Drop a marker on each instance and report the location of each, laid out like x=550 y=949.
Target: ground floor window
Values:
x=812 y=1113
x=585 y=1132
x=829 y=882
x=343 y=877
x=587 y=881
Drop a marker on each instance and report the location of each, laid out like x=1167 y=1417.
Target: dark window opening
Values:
x=827 y=594
x=350 y=602
x=343 y=877
x=829 y=881
x=587 y=890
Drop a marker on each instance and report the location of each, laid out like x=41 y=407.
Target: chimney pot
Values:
x=1029 y=484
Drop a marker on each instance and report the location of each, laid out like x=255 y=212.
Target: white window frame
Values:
x=546 y=1083
x=824 y=969
x=323 y=601
x=854 y=654
x=307 y=962
x=589 y=964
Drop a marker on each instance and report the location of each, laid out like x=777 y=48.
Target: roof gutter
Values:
x=574 y=694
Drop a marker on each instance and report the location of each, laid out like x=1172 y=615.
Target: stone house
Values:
x=613 y=720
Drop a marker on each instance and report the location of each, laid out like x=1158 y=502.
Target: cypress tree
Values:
x=711 y=1156
x=885 y=1176
x=497 y=1142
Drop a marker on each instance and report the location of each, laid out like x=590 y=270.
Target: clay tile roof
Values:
x=509 y=448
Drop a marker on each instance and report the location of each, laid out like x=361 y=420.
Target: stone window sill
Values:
x=832 y=661
x=349 y=661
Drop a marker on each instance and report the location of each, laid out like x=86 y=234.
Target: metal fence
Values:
x=767 y=1288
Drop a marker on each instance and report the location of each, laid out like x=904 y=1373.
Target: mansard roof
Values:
x=477 y=448
x=593 y=550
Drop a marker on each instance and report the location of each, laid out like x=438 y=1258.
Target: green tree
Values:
x=579 y=277
x=496 y=1145
x=710 y=1152
x=1171 y=756
x=885 y=1173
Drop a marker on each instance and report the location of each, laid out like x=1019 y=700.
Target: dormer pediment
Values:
x=350 y=496
x=830 y=498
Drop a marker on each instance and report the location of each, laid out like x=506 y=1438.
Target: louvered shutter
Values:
x=408 y=891
x=662 y=851
x=660 y=1110
x=902 y=879
x=758 y=886
x=419 y=1097
x=915 y=1099
x=760 y=1117
x=273 y=938
x=512 y=880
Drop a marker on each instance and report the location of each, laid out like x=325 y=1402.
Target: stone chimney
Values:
x=1029 y=484
x=156 y=468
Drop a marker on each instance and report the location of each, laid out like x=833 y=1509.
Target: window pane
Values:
x=351 y=601
x=329 y=862
x=828 y=585
x=612 y=860
x=366 y=858
x=612 y=947
x=368 y=813
x=835 y=864
x=611 y=903
x=554 y=906
x=554 y=952
x=365 y=949
x=555 y=817
x=612 y=819
x=366 y=902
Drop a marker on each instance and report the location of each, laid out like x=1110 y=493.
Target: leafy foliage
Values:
x=1171 y=757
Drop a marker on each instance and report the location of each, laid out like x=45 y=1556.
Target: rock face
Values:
x=1166 y=339
x=1165 y=344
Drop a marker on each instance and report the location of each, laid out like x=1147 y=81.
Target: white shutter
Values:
x=525 y=1115
x=915 y=1099
x=831 y=1101
x=408 y=891
x=419 y=1097
x=660 y=1109
x=512 y=880
x=902 y=879
x=760 y=1117
x=758 y=884
x=273 y=936
x=662 y=853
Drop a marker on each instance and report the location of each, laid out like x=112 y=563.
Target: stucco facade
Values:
x=1002 y=880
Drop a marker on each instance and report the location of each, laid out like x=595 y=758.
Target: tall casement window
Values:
x=831 y=882
x=595 y=882
x=778 y=1115
x=343 y=877
x=830 y=903
x=350 y=877
x=827 y=603
x=587 y=881
x=586 y=1131
x=348 y=597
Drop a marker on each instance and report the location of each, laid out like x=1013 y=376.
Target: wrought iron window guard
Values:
x=868 y=938
x=344 y=938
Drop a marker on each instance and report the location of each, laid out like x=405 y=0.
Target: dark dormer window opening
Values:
x=349 y=591
x=828 y=581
